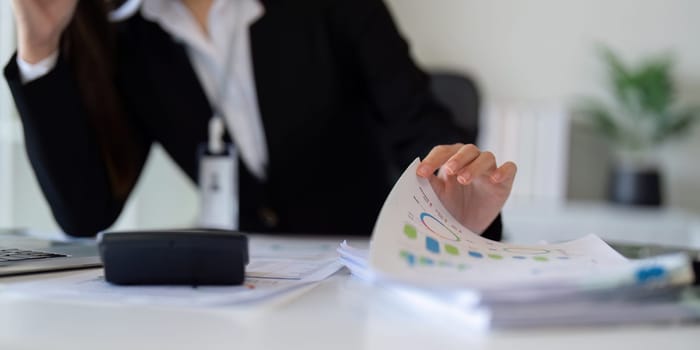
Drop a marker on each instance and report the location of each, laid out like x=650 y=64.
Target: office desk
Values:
x=339 y=313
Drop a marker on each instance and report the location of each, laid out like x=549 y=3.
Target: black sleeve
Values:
x=63 y=151
x=400 y=91
x=495 y=231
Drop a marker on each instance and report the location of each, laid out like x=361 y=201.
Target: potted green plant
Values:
x=639 y=114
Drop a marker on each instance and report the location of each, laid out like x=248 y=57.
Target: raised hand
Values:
x=469 y=183
x=40 y=24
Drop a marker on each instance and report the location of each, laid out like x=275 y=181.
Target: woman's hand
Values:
x=40 y=24
x=469 y=183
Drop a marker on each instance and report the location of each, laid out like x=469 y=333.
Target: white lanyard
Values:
x=218 y=167
x=216 y=122
x=225 y=78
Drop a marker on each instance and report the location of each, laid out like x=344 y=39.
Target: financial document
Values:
x=417 y=240
x=417 y=246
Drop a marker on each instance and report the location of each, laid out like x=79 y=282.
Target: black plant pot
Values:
x=640 y=187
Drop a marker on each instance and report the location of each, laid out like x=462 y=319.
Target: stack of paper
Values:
x=418 y=243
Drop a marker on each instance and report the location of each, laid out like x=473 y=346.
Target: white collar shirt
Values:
x=228 y=24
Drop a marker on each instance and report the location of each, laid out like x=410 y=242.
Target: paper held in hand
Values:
x=417 y=241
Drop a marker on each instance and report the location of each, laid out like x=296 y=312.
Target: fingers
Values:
x=466 y=163
x=484 y=164
x=436 y=158
x=464 y=156
x=505 y=173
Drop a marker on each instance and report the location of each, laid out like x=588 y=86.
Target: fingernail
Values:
x=451 y=167
x=464 y=178
x=422 y=170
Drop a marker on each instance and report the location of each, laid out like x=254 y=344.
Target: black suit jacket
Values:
x=339 y=96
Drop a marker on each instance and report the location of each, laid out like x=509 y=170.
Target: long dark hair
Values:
x=88 y=44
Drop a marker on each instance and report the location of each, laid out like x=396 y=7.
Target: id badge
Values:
x=218 y=189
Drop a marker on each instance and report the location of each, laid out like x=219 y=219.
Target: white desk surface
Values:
x=339 y=313
x=530 y=221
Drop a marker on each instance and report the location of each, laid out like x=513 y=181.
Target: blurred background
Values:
x=532 y=61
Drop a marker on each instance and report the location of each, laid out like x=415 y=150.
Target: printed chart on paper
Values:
x=416 y=236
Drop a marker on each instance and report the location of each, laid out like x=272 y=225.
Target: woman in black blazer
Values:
x=339 y=98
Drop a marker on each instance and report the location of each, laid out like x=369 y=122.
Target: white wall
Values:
x=543 y=51
x=519 y=50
